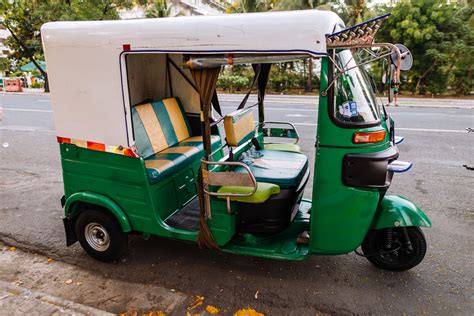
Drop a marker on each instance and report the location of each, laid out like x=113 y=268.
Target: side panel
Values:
x=123 y=182
x=120 y=178
x=340 y=215
x=396 y=211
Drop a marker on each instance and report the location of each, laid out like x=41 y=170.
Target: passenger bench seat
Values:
x=164 y=139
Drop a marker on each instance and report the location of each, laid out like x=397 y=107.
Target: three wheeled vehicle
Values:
x=146 y=149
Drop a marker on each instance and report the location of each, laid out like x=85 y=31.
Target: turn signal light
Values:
x=368 y=137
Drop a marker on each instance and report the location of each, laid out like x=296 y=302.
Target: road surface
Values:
x=436 y=141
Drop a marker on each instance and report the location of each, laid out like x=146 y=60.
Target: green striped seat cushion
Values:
x=158 y=125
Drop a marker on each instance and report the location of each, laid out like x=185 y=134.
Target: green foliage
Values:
x=284 y=76
x=37 y=85
x=158 y=9
x=246 y=6
x=440 y=38
x=233 y=83
x=25 y=17
x=5 y=64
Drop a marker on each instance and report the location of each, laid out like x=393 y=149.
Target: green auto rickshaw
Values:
x=146 y=149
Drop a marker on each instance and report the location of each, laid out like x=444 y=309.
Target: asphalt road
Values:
x=436 y=141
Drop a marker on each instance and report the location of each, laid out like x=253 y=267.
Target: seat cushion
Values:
x=283 y=147
x=174 y=158
x=158 y=125
x=239 y=127
x=263 y=193
x=285 y=169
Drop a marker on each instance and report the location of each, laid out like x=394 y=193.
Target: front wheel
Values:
x=395 y=249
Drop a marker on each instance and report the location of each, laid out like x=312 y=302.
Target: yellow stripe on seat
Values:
x=199 y=138
x=185 y=150
x=177 y=118
x=159 y=165
x=152 y=127
x=238 y=127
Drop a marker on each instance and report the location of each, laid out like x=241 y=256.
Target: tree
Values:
x=439 y=37
x=4 y=64
x=247 y=6
x=158 y=9
x=25 y=17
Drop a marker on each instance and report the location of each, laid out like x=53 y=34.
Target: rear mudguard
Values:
x=71 y=211
x=396 y=211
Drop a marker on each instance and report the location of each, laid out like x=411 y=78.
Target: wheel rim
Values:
x=397 y=253
x=97 y=237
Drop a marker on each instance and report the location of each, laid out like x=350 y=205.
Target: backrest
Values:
x=158 y=125
x=239 y=127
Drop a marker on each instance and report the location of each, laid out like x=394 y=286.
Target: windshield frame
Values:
x=331 y=99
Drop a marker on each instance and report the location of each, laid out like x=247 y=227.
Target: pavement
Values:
x=38 y=285
x=436 y=141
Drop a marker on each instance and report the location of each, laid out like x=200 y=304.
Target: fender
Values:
x=97 y=199
x=396 y=211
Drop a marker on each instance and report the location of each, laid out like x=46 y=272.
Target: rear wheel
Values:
x=395 y=249
x=100 y=235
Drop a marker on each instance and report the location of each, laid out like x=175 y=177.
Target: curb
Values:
x=15 y=299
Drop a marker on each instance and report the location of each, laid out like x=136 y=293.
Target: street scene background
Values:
x=437 y=142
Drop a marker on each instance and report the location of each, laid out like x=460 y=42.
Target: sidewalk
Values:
x=37 y=285
x=16 y=300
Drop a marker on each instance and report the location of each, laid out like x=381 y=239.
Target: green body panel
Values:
x=100 y=200
x=123 y=180
x=397 y=211
x=341 y=215
x=222 y=224
x=281 y=246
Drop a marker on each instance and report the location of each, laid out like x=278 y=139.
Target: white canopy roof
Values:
x=84 y=58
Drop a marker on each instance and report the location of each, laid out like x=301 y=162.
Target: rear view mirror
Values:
x=406 y=57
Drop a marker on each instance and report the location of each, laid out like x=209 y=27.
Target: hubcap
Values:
x=97 y=237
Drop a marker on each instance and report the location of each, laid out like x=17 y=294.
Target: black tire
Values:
x=394 y=256
x=100 y=235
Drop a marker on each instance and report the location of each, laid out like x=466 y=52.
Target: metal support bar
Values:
x=211 y=179
x=392 y=47
x=285 y=123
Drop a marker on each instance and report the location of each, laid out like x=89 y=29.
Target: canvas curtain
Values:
x=205 y=81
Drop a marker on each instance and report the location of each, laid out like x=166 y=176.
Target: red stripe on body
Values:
x=96 y=146
x=62 y=140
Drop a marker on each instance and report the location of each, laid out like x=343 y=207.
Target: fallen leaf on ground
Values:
x=50 y=260
x=212 y=310
x=68 y=282
x=197 y=302
x=155 y=313
x=12 y=248
x=247 y=312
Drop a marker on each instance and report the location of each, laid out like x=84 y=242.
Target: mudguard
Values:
x=97 y=199
x=396 y=211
